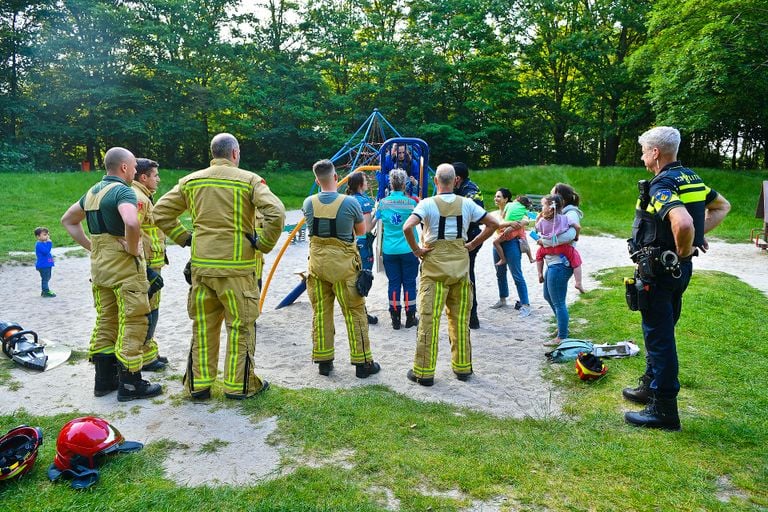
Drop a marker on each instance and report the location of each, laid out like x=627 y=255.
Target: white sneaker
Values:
x=525 y=310
x=502 y=303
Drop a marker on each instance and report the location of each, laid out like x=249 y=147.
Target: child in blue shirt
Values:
x=44 y=263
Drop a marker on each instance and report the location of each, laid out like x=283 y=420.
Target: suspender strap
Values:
x=450 y=210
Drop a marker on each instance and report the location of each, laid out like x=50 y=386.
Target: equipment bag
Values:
x=568 y=350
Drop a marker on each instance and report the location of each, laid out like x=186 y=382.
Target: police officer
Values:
x=468 y=188
x=118 y=277
x=145 y=185
x=444 y=280
x=333 y=221
x=223 y=201
x=674 y=212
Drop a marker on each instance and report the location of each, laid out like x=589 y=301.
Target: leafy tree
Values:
x=710 y=73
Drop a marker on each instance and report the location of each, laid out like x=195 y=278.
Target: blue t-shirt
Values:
x=393 y=212
x=366 y=204
x=43 y=253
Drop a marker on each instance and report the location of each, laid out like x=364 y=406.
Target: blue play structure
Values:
x=376 y=145
x=370 y=145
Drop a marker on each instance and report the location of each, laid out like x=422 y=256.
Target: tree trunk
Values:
x=735 y=148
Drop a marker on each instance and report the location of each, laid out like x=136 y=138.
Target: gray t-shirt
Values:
x=349 y=214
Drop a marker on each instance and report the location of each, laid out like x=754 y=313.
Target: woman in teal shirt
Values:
x=400 y=264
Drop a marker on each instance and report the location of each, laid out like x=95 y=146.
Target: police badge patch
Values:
x=663 y=196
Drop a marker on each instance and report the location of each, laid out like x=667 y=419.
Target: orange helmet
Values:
x=589 y=367
x=18 y=451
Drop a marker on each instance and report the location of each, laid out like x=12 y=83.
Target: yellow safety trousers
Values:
x=234 y=300
x=119 y=286
x=444 y=283
x=333 y=268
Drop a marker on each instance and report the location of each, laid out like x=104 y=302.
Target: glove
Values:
x=155 y=281
x=254 y=239
x=364 y=282
x=188 y=272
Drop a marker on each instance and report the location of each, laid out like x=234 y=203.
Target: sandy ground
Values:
x=283 y=355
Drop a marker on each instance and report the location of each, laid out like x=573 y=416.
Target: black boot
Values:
x=410 y=319
x=395 y=314
x=106 y=374
x=133 y=387
x=363 y=370
x=642 y=393
x=659 y=413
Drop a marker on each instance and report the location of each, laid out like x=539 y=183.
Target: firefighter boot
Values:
x=395 y=314
x=410 y=318
x=659 y=413
x=107 y=379
x=133 y=387
x=642 y=393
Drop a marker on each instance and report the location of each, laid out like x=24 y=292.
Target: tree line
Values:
x=492 y=82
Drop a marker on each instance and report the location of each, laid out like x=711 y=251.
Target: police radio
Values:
x=644 y=188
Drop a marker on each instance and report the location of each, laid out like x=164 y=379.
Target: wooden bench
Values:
x=535 y=201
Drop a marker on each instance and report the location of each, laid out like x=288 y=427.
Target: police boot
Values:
x=410 y=318
x=106 y=374
x=133 y=387
x=642 y=393
x=395 y=314
x=659 y=413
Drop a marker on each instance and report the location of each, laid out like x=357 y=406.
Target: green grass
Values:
x=586 y=460
x=608 y=197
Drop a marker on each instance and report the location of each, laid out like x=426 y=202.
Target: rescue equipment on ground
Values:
x=18 y=451
x=82 y=446
x=568 y=350
x=590 y=367
x=20 y=348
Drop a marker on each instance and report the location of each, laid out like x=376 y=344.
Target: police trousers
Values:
x=665 y=302
x=235 y=301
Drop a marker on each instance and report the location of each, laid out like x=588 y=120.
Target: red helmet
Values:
x=18 y=451
x=84 y=440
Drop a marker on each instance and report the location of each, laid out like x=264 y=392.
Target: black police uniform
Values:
x=469 y=189
x=662 y=277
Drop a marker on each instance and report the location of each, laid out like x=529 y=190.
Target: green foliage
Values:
x=705 y=53
x=483 y=81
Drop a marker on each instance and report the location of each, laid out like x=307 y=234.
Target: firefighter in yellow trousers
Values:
x=333 y=221
x=118 y=276
x=145 y=185
x=223 y=201
x=444 y=280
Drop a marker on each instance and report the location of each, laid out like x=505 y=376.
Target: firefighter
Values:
x=444 y=280
x=223 y=201
x=118 y=277
x=333 y=221
x=153 y=240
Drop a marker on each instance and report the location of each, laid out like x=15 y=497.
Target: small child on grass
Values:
x=514 y=211
x=551 y=224
x=44 y=262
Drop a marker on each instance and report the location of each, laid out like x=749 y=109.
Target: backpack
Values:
x=568 y=350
